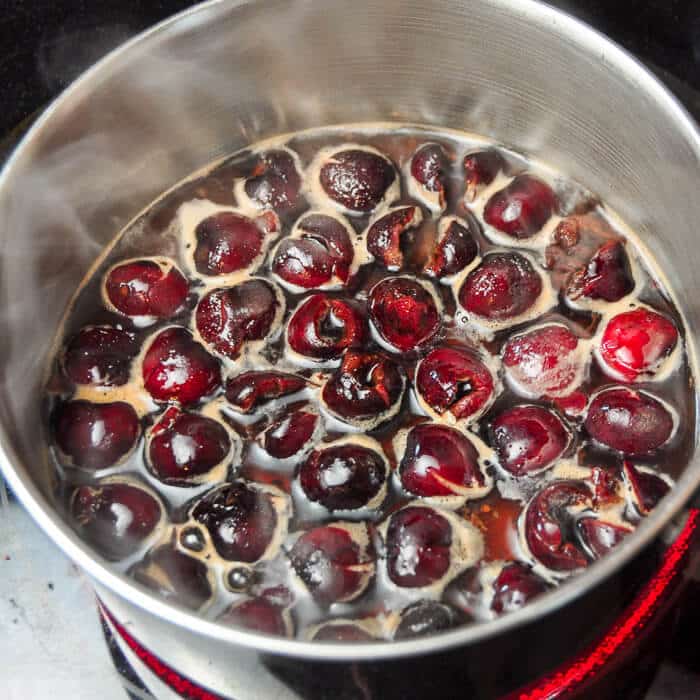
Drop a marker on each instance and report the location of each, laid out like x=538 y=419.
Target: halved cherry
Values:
x=322 y=328
x=515 y=586
x=258 y=614
x=176 y=368
x=429 y=167
x=454 y=249
x=95 y=435
x=274 y=181
x=384 y=234
x=288 y=436
x=521 y=208
x=600 y=536
x=607 y=488
x=425 y=617
x=227 y=318
x=480 y=170
x=455 y=381
x=404 y=313
x=632 y=422
x=528 y=439
x=249 y=391
x=647 y=488
x=636 y=343
x=606 y=276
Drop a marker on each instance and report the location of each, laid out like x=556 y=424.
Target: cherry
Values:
x=343 y=477
x=600 y=536
x=454 y=380
x=647 y=488
x=425 y=617
x=258 y=614
x=384 y=235
x=287 y=436
x=404 y=313
x=95 y=435
x=430 y=166
x=330 y=564
x=632 y=422
x=227 y=318
x=549 y=525
x=146 y=288
x=439 y=461
x=347 y=632
x=115 y=517
x=543 y=362
x=241 y=521
x=503 y=286
x=322 y=328
x=251 y=390
x=100 y=355
x=185 y=446
x=176 y=368
x=418 y=545
x=274 y=181
x=480 y=169
x=366 y=386
x=228 y=242
x=455 y=248
x=606 y=276
x=515 y=586
x=636 y=342
x=606 y=488
x=357 y=179
x=521 y=208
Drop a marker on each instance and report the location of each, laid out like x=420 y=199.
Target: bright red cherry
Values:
x=384 y=235
x=455 y=248
x=249 y=391
x=480 y=170
x=606 y=276
x=515 y=586
x=274 y=181
x=430 y=167
x=288 y=436
x=258 y=614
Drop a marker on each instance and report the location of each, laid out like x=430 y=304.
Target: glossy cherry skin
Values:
x=515 y=586
x=322 y=328
x=258 y=614
x=249 y=391
x=455 y=249
x=430 y=166
x=503 y=286
x=95 y=435
x=241 y=521
x=185 y=446
x=384 y=235
x=115 y=517
x=418 y=545
x=357 y=179
x=176 y=368
x=521 y=208
x=480 y=169
x=342 y=633
x=600 y=536
x=289 y=435
x=424 y=618
x=455 y=381
x=404 y=313
x=439 y=461
x=274 y=181
x=342 y=477
x=144 y=288
x=628 y=421
x=329 y=563
x=606 y=276
x=528 y=439
x=228 y=318
x=635 y=342
x=100 y=356
x=647 y=488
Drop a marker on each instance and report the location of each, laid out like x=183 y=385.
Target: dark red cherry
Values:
x=455 y=248
x=647 y=488
x=521 y=208
x=227 y=318
x=145 y=288
x=543 y=361
x=504 y=285
x=322 y=328
x=549 y=530
x=251 y=390
x=100 y=356
x=274 y=181
x=95 y=435
x=343 y=477
x=357 y=179
x=289 y=435
x=606 y=488
x=635 y=342
x=115 y=517
x=418 y=545
x=632 y=422
x=185 y=446
x=404 y=313
x=330 y=564
x=480 y=169
x=228 y=242
x=384 y=235
x=425 y=617
x=176 y=368
x=364 y=387
x=606 y=276
x=241 y=521
x=439 y=461
x=528 y=438
x=600 y=536
x=258 y=614
x=454 y=380
x=342 y=633
x=515 y=586
x=430 y=166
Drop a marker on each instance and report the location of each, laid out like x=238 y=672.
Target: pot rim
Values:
x=96 y=567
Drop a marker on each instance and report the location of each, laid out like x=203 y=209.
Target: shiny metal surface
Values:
x=227 y=73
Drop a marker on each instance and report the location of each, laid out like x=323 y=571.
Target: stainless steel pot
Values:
x=228 y=72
